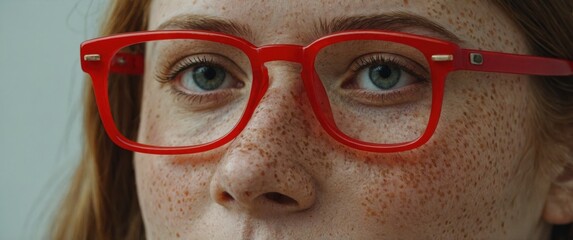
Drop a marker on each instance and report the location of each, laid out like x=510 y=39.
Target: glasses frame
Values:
x=443 y=57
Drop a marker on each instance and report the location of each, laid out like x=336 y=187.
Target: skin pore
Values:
x=284 y=177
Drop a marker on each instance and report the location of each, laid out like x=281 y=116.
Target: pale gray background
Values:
x=40 y=107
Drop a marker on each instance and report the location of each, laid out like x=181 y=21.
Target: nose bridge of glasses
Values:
x=281 y=52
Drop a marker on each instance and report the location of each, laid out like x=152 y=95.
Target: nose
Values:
x=258 y=184
x=260 y=174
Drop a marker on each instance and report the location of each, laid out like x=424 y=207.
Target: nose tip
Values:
x=262 y=189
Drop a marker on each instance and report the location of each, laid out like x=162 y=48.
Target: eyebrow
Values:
x=206 y=23
x=394 y=21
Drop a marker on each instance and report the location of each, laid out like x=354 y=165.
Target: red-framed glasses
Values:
x=371 y=90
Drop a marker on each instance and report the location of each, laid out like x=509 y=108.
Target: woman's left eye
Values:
x=383 y=76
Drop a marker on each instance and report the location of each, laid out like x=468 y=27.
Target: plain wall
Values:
x=40 y=107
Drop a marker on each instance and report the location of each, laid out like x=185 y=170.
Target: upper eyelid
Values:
x=363 y=60
x=410 y=66
x=166 y=69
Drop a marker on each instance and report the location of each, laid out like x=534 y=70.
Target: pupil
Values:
x=384 y=76
x=384 y=71
x=208 y=72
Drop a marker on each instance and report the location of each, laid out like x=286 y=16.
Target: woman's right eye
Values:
x=203 y=81
x=205 y=78
x=201 y=74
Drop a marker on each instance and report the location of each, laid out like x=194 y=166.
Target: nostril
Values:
x=280 y=198
x=226 y=197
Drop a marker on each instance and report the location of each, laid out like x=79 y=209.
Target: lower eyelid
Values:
x=410 y=93
x=203 y=101
x=233 y=85
x=351 y=81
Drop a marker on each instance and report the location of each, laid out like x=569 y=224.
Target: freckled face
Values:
x=284 y=177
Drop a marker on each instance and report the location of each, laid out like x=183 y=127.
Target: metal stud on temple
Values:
x=476 y=59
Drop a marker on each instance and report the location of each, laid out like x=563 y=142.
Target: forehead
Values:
x=478 y=24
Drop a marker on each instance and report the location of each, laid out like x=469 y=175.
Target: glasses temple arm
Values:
x=486 y=61
x=127 y=63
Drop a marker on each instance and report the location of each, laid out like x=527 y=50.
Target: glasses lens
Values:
x=180 y=92
x=379 y=91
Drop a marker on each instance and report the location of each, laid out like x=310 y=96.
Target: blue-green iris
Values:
x=384 y=76
x=208 y=77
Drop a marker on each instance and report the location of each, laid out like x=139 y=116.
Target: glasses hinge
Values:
x=442 y=58
x=92 y=58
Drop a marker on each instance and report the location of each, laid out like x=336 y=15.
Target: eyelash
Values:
x=199 y=98
x=405 y=65
x=171 y=70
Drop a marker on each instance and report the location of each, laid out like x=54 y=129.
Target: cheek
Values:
x=468 y=178
x=153 y=115
x=488 y=114
x=175 y=119
x=173 y=193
